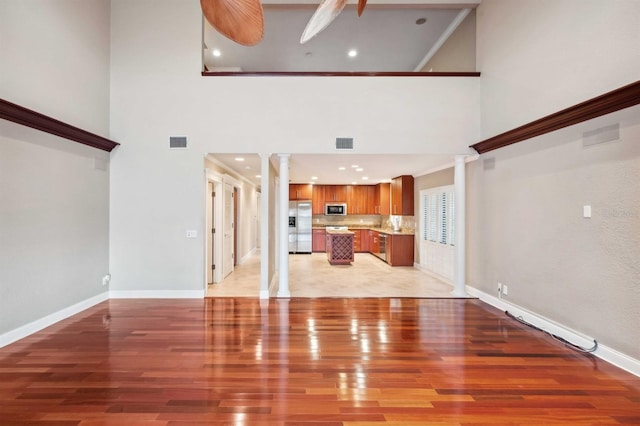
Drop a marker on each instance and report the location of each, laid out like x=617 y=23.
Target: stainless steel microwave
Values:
x=335 y=209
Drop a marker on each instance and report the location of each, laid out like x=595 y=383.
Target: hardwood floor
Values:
x=352 y=362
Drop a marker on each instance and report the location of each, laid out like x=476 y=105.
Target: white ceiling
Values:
x=386 y=37
x=326 y=167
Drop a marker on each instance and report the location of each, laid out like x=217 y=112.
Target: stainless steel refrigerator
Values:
x=300 y=226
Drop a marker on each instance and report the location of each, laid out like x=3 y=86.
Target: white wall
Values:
x=54 y=56
x=54 y=205
x=458 y=53
x=526 y=229
x=525 y=215
x=540 y=56
x=157 y=91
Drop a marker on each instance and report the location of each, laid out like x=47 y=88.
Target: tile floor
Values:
x=313 y=276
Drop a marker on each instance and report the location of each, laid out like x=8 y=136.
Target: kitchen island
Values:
x=339 y=246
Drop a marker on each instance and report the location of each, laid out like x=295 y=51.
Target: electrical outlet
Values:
x=192 y=233
x=505 y=289
x=106 y=279
x=499 y=290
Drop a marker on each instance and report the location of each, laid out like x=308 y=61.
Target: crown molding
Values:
x=624 y=97
x=27 y=117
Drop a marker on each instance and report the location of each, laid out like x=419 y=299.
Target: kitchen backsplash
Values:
x=374 y=221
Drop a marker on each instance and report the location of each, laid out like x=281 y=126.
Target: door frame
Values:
x=217 y=181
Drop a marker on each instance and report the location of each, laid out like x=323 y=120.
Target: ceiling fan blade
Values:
x=239 y=20
x=323 y=16
x=361 y=5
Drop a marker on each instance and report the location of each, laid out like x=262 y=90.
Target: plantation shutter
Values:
x=433 y=217
x=452 y=219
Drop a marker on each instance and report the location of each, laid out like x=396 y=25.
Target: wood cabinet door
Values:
x=402 y=196
x=370 y=200
x=400 y=250
x=383 y=198
x=335 y=193
x=364 y=241
x=300 y=191
x=306 y=191
x=357 y=240
x=374 y=241
x=319 y=240
x=354 y=199
x=317 y=199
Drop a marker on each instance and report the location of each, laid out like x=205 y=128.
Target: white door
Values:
x=209 y=230
x=227 y=244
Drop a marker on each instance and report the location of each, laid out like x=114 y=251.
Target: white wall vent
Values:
x=344 y=143
x=177 y=142
x=601 y=135
x=489 y=163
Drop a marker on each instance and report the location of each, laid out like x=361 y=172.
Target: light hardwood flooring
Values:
x=313 y=276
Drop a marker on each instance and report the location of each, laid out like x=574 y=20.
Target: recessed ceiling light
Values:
x=355 y=166
x=314 y=177
x=365 y=178
x=352 y=53
x=258 y=176
x=217 y=53
x=421 y=21
x=354 y=183
x=239 y=159
x=359 y=169
x=342 y=168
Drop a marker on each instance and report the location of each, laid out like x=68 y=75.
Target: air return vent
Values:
x=177 y=142
x=344 y=143
x=489 y=163
x=601 y=135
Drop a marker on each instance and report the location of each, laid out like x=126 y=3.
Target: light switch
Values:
x=586 y=211
x=191 y=233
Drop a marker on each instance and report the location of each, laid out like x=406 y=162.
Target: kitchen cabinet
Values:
x=360 y=199
x=374 y=241
x=335 y=193
x=317 y=199
x=364 y=241
x=300 y=191
x=402 y=196
x=400 y=250
x=360 y=240
x=319 y=240
x=382 y=198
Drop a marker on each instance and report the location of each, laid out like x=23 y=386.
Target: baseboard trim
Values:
x=247 y=256
x=603 y=352
x=433 y=274
x=157 y=294
x=48 y=320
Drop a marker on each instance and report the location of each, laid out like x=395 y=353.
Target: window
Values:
x=438 y=215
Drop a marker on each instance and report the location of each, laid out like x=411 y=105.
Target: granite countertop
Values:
x=388 y=231
x=338 y=231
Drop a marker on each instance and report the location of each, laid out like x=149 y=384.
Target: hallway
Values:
x=312 y=276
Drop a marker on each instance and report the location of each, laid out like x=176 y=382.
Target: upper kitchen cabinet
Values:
x=300 y=191
x=317 y=199
x=335 y=193
x=402 y=196
x=382 y=198
x=360 y=199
